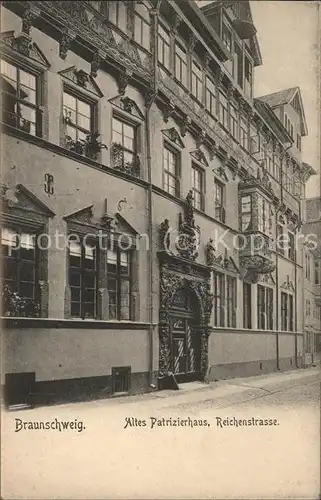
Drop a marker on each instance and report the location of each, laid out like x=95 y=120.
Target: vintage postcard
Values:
x=160 y=249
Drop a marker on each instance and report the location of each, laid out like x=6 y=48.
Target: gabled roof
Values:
x=266 y=112
x=287 y=96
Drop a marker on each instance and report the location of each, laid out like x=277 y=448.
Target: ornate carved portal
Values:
x=173 y=289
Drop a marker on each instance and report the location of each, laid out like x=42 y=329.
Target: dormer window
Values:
x=288 y=125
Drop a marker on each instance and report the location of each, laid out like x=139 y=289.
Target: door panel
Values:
x=185 y=350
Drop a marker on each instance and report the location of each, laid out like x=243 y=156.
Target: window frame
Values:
x=119 y=279
x=247 y=305
x=219 y=208
x=287 y=312
x=182 y=64
x=177 y=177
x=223 y=110
x=163 y=44
x=197 y=81
x=210 y=97
x=143 y=24
x=201 y=193
x=82 y=97
x=231 y=301
x=82 y=273
x=219 y=298
x=265 y=307
x=19 y=230
x=124 y=120
x=28 y=67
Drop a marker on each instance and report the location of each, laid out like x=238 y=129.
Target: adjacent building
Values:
x=144 y=194
x=312 y=279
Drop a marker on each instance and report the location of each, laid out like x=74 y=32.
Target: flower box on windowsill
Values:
x=91 y=147
x=119 y=163
x=16 y=306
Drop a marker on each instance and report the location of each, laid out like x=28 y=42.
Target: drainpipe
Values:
x=149 y=101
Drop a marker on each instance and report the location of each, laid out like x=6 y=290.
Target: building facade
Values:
x=143 y=195
x=312 y=279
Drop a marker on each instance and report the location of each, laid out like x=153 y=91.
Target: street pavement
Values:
x=259 y=438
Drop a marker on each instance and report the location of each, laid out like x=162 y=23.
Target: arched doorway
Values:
x=185 y=336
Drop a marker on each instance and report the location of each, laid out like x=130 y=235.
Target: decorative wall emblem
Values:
x=49 y=184
x=189 y=234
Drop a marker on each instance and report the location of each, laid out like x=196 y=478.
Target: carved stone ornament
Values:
x=199 y=156
x=149 y=97
x=23 y=43
x=168 y=110
x=174 y=136
x=27 y=18
x=123 y=79
x=170 y=284
x=164 y=235
x=188 y=240
x=185 y=123
x=257 y=263
x=82 y=78
x=95 y=64
x=65 y=44
x=210 y=253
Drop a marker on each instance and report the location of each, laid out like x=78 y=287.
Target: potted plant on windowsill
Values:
x=15 y=305
x=89 y=147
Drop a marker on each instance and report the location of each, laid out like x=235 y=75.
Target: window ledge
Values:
x=17 y=322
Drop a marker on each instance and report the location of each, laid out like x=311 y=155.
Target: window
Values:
x=118 y=15
x=219 y=201
x=286 y=312
x=247 y=305
x=264 y=216
x=180 y=65
x=277 y=166
x=223 y=110
x=198 y=188
x=238 y=65
x=288 y=125
x=291 y=246
x=248 y=71
x=210 y=96
x=197 y=81
x=307 y=266
x=171 y=171
x=124 y=149
x=269 y=162
x=280 y=239
x=20 y=266
x=244 y=134
x=164 y=47
x=231 y=301
x=308 y=308
x=317 y=272
x=77 y=116
x=264 y=308
x=233 y=122
x=254 y=140
x=219 y=298
x=21 y=99
x=298 y=142
x=227 y=37
x=119 y=284
x=142 y=26
x=246 y=212
x=83 y=279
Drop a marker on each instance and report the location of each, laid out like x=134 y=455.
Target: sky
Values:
x=288 y=36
